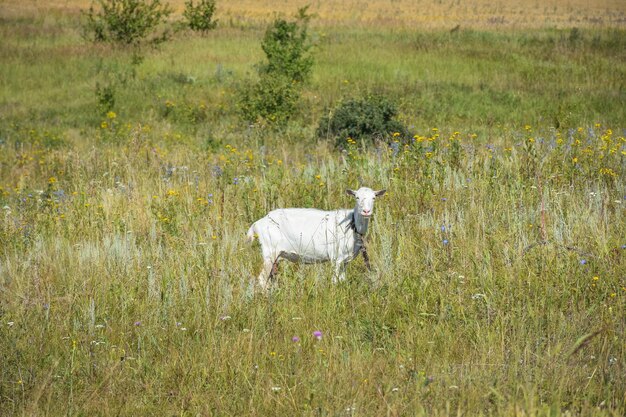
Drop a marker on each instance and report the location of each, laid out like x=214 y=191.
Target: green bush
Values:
x=105 y=96
x=287 y=48
x=273 y=99
x=368 y=119
x=200 y=17
x=127 y=22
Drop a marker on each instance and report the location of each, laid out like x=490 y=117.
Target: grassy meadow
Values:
x=127 y=184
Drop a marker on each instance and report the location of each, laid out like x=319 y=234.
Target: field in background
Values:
x=417 y=14
x=499 y=250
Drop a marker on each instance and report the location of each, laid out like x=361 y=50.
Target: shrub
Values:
x=105 y=95
x=200 y=17
x=128 y=22
x=274 y=99
x=368 y=119
x=287 y=48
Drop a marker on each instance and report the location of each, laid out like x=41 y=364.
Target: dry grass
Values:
x=427 y=14
x=124 y=280
x=499 y=254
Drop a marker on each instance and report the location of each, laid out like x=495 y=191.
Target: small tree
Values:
x=274 y=98
x=200 y=17
x=128 y=22
x=286 y=47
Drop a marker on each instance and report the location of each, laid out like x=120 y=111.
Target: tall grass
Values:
x=127 y=283
x=126 y=286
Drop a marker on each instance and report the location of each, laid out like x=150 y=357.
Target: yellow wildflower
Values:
x=608 y=172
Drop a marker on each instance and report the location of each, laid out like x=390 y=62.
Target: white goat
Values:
x=310 y=235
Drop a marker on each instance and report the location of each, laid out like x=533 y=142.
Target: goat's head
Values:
x=365 y=200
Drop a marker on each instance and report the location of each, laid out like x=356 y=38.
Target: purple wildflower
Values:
x=295 y=339
x=317 y=334
x=138 y=323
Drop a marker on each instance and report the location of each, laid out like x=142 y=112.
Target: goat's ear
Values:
x=350 y=192
x=379 y=193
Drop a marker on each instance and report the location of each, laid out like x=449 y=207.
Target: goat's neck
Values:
x=360 y=223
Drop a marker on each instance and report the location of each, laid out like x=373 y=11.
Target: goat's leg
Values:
x=274 y=270
x=340 y=272
x=269 y=266
x=366 y=258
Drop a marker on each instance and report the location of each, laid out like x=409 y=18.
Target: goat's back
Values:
x=306 y=234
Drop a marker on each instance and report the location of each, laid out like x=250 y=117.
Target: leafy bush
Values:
x=128 y=22
x=200 y=17
x=105 y=95
x=274 y=97
x=286 y=47
x=366 y=119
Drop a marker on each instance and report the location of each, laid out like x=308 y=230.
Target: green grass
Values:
x=126 y=285
x=466 y=80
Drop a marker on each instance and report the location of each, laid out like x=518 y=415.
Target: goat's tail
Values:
x=251 y=234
